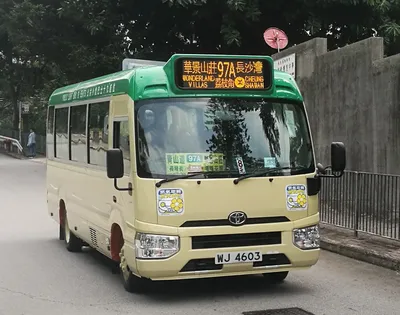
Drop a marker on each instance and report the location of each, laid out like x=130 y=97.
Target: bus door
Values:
x=120 y=125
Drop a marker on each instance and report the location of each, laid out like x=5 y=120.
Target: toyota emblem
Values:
x=237 y=218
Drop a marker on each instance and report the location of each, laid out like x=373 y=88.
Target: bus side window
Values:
x=121 y=140
x=98 y=144
x=61 y=130
x=78 y=135
x=50 y=133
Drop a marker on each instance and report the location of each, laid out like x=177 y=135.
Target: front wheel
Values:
x=276 y=277
x=132 y=283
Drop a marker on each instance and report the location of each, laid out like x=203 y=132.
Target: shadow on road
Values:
x=176 y=291
x=219 y=287
x=77 y=278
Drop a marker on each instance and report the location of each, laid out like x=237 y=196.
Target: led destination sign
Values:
x=223 y=74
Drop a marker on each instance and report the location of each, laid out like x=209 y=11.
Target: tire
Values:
x=72 y=243
x=61 y=233
x=276 y=277
x=132 y=283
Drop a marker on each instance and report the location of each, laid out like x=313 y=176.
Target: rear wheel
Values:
x=132 y=283
x=61 y=233
x=72 y=243
x=276 y=277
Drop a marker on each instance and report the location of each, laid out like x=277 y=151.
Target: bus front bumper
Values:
x=191 y=263
x=201 y=265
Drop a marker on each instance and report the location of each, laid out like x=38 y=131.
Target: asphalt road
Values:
x=39 y=277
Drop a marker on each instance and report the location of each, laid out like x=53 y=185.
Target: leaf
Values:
x=236 y=5
x=231 y=35
x=391 y=29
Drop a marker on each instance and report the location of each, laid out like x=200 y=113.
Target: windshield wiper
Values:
x=262 y=173
x=167 y=180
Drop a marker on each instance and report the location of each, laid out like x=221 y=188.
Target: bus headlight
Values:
x=307 y=238
x=150 y=246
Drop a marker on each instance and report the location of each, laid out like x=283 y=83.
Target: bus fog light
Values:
x=150 y=246
x=307 y=238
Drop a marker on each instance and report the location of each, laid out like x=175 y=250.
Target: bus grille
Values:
x=225 y=222
x=208 y=264
x=204 y=264
x=272 y=260
x=236 y=240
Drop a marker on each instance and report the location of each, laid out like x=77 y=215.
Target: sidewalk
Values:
x=371 y=249
x=38 y=159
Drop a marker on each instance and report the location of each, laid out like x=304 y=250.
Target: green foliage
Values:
x=45 y=44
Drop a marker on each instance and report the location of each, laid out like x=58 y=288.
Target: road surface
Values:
x=39 y=277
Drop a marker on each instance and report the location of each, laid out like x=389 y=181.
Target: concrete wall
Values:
x=352 y=95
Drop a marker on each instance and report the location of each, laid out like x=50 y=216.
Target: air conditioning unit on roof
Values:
x=138 y=63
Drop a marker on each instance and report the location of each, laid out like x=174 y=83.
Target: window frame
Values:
x=297 y=103
x=96 y=102
x=116 y=143
x=52 y=133
x=55 y=130
x=69 y=106
x=70 y=133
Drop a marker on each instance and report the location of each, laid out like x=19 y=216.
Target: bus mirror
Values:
x=338 y=157
x=115 y=163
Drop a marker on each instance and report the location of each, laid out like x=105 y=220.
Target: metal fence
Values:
x=40 y=140
x=363 y=202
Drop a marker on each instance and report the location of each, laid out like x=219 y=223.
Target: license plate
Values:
x=237 y=257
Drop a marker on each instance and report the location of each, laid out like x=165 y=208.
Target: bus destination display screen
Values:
x=223 y=74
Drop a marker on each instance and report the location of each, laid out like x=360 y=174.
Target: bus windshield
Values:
x=225 y=137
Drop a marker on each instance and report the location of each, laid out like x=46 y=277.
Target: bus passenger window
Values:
x=50 y=133
x=78 y=134
x=121 y=140
x=98 y=141
x=62 y=150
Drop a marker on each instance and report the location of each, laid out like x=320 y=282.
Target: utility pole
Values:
x=20 y=121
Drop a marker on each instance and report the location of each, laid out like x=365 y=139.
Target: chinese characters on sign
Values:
x=184 y=163
x=286 y=64
x=100 y=90
x=223 y=74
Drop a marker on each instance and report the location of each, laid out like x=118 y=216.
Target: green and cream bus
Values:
x=200 y=167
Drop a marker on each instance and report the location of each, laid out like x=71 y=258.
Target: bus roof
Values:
x=158 y=82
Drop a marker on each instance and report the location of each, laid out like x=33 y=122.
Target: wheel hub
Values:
x=124 y=266
x=67 y=231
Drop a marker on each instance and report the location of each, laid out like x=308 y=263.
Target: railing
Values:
x=40 y=140
x=7 y=144
x=363 y=202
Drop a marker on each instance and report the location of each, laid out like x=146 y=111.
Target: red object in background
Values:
x=276 y=38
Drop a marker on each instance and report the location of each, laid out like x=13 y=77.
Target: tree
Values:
x=45 y=44
x=237 y=26
x=21 y=64
x=41 y=50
